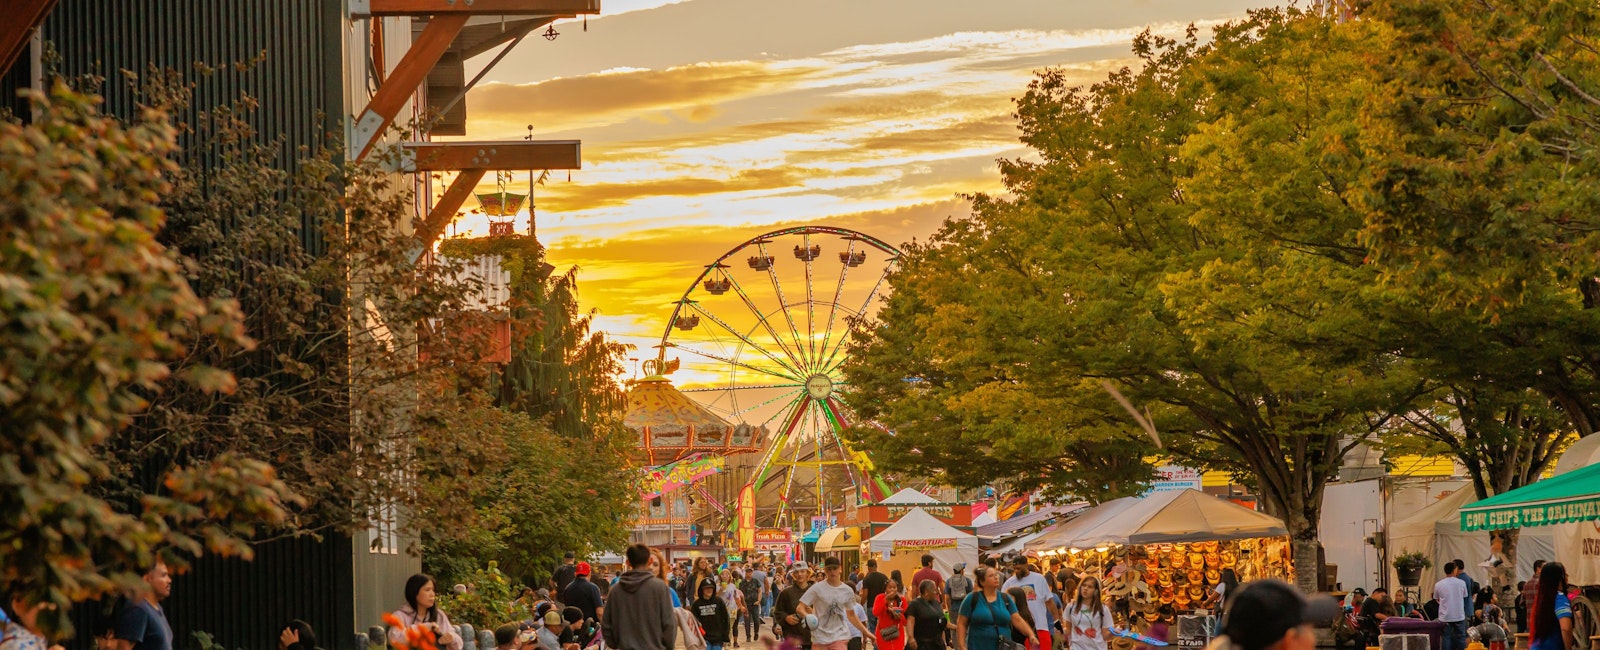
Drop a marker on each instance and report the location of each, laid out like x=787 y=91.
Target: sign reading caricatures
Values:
x=919 y=545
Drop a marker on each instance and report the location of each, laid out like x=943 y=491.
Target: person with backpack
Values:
x=987 y=616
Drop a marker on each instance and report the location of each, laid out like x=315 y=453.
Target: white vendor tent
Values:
x=1436 y=532
x=984 y=519
x=901 y=546
x=1186 y=515
x=908 y=497
x=1573 y=539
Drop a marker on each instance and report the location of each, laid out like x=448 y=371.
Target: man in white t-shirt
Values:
x=1452 y=595
x=1044 y=608
x=831 y=602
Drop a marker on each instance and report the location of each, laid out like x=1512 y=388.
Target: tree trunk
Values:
x=1503 y=544
x=1303 y=546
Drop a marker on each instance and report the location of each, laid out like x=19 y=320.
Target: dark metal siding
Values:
x=298 y=85
x=298 y=88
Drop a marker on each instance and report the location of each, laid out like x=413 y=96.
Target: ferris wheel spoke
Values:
x=794 y=357
x=811 y=328
x=838 y=292
x=838 y=425
x=759 y=348
x=746 y=366
x=720 y=389
x=789 y=395
x=791 y=420
x=865 y=304
x=783 y=304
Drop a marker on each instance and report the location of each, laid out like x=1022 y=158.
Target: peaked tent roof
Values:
x=918 y=524
x=908 y=497
x=1187 y=515
x=1569 y=497
x=983 y=519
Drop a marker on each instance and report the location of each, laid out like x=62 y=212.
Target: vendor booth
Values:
x=1579 y=542
x=1167 y=548
x=1570 y=498
x=1435 y=531
x=901 y=546
x=877 y=517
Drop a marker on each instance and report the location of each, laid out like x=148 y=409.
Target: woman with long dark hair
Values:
x=1088 y=620
x=987 y=614
x=422 y=609
x=1020 y=595
x=1551 y=615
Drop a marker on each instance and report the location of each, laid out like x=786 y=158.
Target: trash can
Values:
x=1402 y=625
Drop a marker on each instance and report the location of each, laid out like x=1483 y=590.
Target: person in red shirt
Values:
x=890 y=610
x=927 y=572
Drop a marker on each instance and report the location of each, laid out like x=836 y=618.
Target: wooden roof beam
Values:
x=490 y=155
x=402 y=82
x=564 y=8
x=24 y=16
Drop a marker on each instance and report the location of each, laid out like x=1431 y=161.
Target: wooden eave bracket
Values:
x=448 y=17
x=363 y=8
x=472 y=160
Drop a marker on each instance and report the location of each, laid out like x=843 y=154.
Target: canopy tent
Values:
x=1435 y=531
x=1187 y=515
x=844 y=538
x=902 y=545
x=1572 y=539
x=1566 y=498
x=908 y=497
x=983 y=519
x=1014 y=544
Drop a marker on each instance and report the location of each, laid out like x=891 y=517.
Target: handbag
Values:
x=1003 y=626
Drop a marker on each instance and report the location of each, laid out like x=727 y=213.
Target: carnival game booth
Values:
x=1167 y=548
x=902 y=545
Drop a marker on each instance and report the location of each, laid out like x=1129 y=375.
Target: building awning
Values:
x=1567 y=498
x=1163 y=517
x=844 y=538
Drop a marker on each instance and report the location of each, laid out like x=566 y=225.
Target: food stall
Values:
x=1167 y=548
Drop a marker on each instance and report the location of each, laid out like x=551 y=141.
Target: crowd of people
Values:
x=1469 y=611
x=1008 y=603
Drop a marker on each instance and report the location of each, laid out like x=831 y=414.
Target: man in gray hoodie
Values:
x=638 y=614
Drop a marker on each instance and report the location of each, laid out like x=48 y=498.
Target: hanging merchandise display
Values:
x=1161 y=556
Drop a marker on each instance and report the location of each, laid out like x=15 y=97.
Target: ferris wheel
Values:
x=759 y=338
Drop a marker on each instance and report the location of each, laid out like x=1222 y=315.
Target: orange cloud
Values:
x=607 y=97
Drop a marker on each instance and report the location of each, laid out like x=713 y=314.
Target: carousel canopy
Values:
x=671 y=426
x=1176 y=516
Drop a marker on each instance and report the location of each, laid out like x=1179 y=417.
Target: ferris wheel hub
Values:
x=819 y=386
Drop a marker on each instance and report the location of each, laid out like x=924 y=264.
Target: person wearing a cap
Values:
x=827 y=606
x=565 y=573
x=550 y=633
x=957 y=587
x=583 y=594
x=786 y=610
x=1272 y=615
x=1041 y=606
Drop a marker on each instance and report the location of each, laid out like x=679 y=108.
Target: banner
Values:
x=943 y=512
x=674 y=475
x=1174 y=477
x=922 y=544
x=774 y=536
x=747 y=517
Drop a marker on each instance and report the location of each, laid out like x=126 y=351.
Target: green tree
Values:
x=94 y=316
x=548 y=457
x=1183 y=233
x=1482 y=216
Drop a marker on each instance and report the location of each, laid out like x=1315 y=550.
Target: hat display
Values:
x=1213 y=559
x=1178 y=560
x=1197 y=592
x=1229 y=559
x=1165 y=580
x=1213 y=576
x=1196 y=559
x=1196 y=577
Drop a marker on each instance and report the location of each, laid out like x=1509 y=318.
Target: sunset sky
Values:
x=706 y=122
